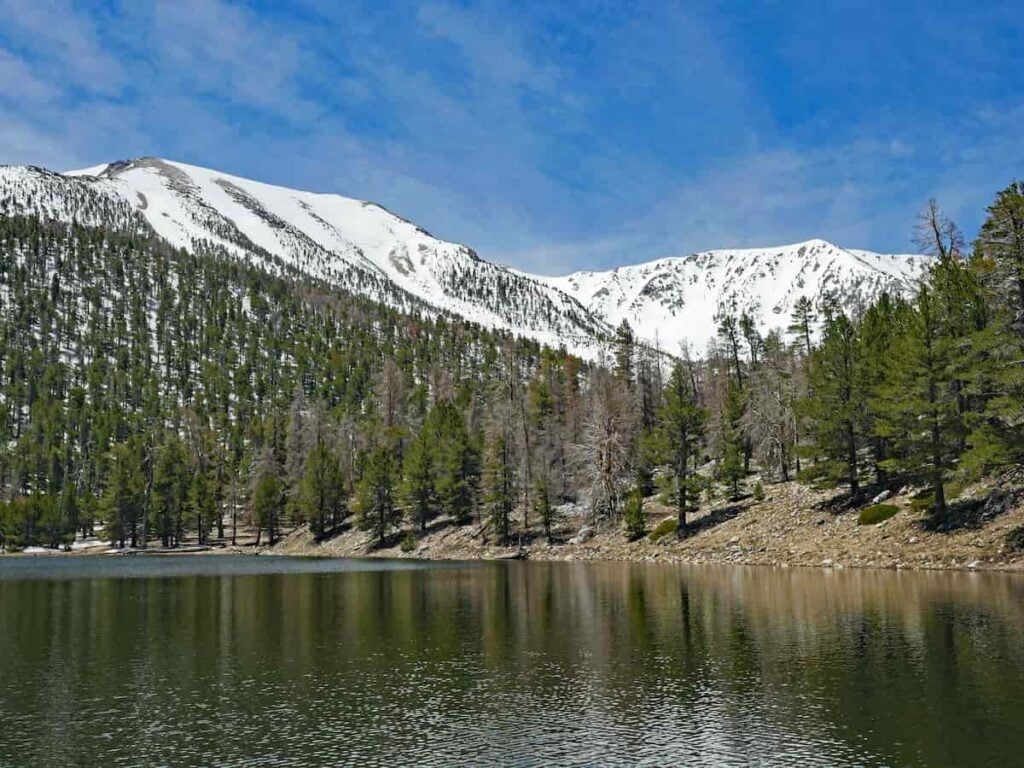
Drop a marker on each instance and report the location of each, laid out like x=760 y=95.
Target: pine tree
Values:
x=680 y=430
x=121 y=502
x=838 y=401
x=168 y=494
x=633 y=515
x=456 y=463
x=625 y=351
x=499 y=488
x=267 y=505
x=802 y=322
x=418 y=490
x=998 y=439
x=543 y=509
x=378 y=513
x=732 y=465
x=921 y=400
x=322 y=491
x=883 y=325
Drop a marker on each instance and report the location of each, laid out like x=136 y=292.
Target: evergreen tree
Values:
x=802 y=321
x=419 y=485
x=680 y=431
x=633 y=515
x=998 y=439
x=267 y=505
x=455 y=461
x=121 y=503
x=625 y=352
x=732 y=465
x=168 y=493
x=838 y=400
x=921 y=400
x=499 y=488
x=322 y=491
x=378 y=513
x=543 y=509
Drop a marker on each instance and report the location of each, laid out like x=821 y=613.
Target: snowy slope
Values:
x=676 y=299
x=366 y=249
x=355 y=244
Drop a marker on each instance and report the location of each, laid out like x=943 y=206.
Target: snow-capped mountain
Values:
x=676 y=299
x=357 y=245
x=364 y=248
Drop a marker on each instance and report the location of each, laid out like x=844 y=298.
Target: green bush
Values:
x=408 y=542
x=664 y=528
x=877 y=513
x=822 y=474
x=758 y=491
x=922 y=503
x=633 y=515
x=1015 y=539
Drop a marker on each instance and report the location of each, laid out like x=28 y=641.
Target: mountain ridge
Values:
x=362 y=246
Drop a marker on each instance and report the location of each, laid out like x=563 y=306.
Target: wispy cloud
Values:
x=550 y=136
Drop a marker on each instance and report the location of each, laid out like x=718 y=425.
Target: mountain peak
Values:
x=363 y=247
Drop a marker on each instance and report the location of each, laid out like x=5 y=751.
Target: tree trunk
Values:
x=851 y=449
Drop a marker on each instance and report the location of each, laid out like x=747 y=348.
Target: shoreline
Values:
x=793 y=527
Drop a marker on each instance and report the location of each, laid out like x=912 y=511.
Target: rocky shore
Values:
x=791 y=526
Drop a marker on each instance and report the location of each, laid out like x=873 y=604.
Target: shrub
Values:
x=664 y=528
x=758 y=491
x=922 y=503
x=408 y=542
x=877 y=513
x=823 y=474
x=1015 y=539
x=633 y=515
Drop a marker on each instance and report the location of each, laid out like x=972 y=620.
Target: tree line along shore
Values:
x=162 y=398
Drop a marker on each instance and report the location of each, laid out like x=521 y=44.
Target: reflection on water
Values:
x=333 y=663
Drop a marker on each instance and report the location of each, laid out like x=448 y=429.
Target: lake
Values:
x=244 y=661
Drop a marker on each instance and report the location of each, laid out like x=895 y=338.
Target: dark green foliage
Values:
x=169 y=492
x=837 y=404
x=678 y=438
x=633 y=518
x=378 y=512
x=664 y=528
x=268 y=505
x=997 y=443
x=408 y=542
x=139 y=382
x=499 y=488
x=758 y=491
x=1015 y=539
x=419 y=485
x=876 y=514
x=802 y=322
x=543 y=509
x=454 y=458
x=159 y=394
x=322 y=491
x=731 y=468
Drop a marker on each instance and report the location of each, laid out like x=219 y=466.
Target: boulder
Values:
x=881 y=497
x=583 y=534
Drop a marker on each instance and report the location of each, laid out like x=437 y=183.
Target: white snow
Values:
x=366 y=249
x=676 y=300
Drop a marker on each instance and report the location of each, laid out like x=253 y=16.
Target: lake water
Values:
x=242 y=661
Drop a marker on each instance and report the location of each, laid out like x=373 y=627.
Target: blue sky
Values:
x=551 y=136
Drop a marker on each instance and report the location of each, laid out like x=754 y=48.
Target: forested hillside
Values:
x=162 y=396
